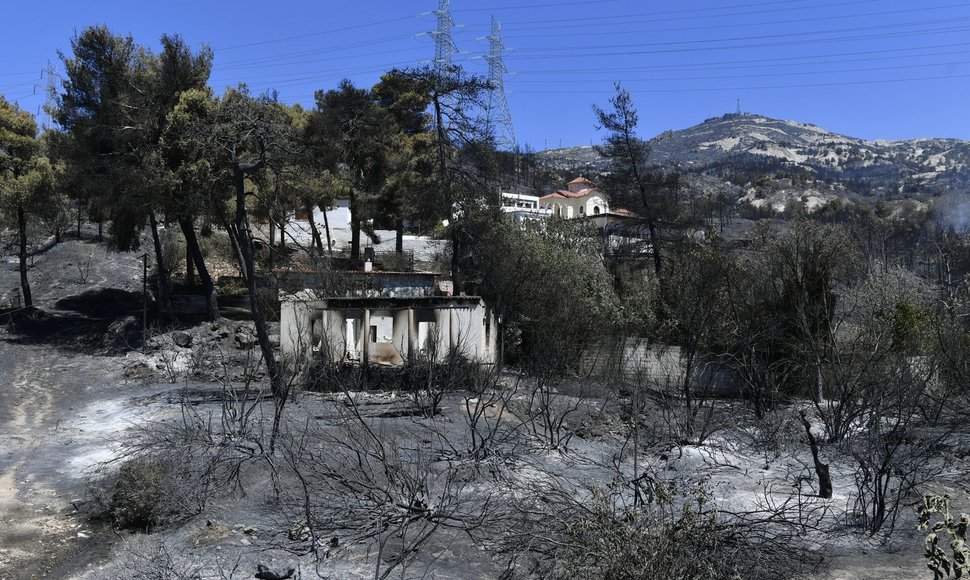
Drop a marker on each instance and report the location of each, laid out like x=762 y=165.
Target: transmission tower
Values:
x=498 y=106
x=49 y=86
x=444 y=45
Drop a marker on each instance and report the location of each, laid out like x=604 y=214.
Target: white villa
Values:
x=579 y=199
x=521 y=208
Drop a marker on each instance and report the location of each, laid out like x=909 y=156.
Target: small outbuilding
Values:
x=386 y=330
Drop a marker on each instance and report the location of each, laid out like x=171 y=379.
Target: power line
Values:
x=297 y=77
x=664 y=12
x=716 y=65
x=611 y=30
x=760 y=75
x=853 y=38
x=288 y=58
x=532 y=6
x=18 y=74
x=219 y=72
x=769 y=62
x=763 y=87
x=320 y=33
x=901 y=52
x=19 y=97
x=316 y=73
x=692 y=14
x=906 y=25
x=271 y=60
x=331 y=75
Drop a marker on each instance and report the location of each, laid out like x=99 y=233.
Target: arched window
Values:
x=596 y=210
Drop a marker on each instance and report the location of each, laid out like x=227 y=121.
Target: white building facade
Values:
x=387 y=331
x=520 y=208
x=580 y=199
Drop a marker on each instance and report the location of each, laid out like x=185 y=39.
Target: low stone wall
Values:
x=661 y=366
x=635 y=358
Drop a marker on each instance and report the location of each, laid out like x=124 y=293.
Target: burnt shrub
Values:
x=137 y=499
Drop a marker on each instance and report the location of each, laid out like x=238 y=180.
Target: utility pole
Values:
x=498 y=114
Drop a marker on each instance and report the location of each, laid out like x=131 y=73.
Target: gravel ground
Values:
x=50 y=408
x=55 y=403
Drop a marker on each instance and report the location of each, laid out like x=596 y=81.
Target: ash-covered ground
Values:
x=357 y=484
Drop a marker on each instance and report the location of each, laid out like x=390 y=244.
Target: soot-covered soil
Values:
x=75 y=392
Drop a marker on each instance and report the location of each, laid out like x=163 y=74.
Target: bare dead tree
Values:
x=361 y=489
x=821 y=469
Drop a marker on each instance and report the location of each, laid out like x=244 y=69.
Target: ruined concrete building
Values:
x=401 y=317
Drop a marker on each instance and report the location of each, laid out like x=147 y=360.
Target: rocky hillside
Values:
x=742 y=148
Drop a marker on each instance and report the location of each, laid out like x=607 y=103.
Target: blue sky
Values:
x=876 y=69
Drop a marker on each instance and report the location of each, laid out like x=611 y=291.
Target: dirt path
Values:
x=43 y=394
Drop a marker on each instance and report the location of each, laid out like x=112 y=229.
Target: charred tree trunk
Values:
x=189 y=264
x=456 y=281
x=231 y=231
x=195 y=257
x=354 y=227
x=654 y=244
x=22 y=231
x=651 y=224
x=164 y=293
x=245 y=242
x=822 y=469
x=444 y=185
x=271 y=247
x=315 y=242
x=686 y=386
x=326 y=226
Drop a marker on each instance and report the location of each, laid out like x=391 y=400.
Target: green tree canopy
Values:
x=26 y=177
x=351 y=136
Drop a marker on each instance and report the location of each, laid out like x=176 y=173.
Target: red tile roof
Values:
x=563 y=194
x=553 y=195
x=568 y=194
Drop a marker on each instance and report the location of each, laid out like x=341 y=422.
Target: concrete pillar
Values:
x=452 y=330
x=412 y=333
x=365 y=337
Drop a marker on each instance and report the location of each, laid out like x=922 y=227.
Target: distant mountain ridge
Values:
x=732 y=146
